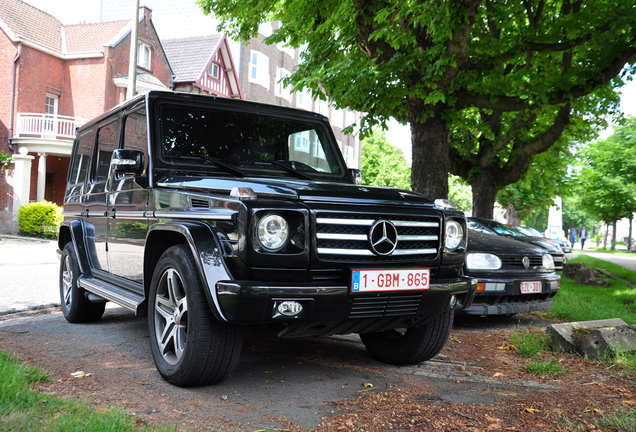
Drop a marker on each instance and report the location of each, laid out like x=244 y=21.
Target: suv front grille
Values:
x=345 y=237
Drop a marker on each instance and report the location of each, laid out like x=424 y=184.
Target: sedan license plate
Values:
x=530 y=287
x=390 y=280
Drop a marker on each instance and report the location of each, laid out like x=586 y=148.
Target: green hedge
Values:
x=40 y=219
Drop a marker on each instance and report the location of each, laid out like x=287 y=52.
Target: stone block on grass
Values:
x=565 y=337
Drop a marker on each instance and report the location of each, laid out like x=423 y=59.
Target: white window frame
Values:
x=319 y=152
x=281 y=90
x=304 y=100
x=51 y=110
x=350 y=156
x=322 y=107
x=214 y=70
x=259 y=69
x=144 y=55
x=337 y=117
x=301 y=141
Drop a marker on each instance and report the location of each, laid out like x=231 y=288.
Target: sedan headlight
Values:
x=273 y=232
x=482 y=261
x=454 y=235
x=548 y=262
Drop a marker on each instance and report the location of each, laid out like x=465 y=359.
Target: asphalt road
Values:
x=297 y=379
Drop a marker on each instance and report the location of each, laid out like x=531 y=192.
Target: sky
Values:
x=76 y=11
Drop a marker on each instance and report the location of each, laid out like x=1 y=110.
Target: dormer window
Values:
x=143 y=55
x=214 y=70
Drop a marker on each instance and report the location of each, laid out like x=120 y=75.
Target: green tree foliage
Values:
x=459 y=193
x=608 y=175
x=547 y=176
x=424 y=62
x=382 y=163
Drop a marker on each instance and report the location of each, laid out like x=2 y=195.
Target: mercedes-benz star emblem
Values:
x=525 y=261
x=383 y=237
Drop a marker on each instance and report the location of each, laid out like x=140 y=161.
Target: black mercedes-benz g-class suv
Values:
x=210 y=215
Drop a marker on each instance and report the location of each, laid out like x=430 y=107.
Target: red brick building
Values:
x=57 y=77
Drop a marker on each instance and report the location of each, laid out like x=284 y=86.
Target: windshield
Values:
x=240 y=143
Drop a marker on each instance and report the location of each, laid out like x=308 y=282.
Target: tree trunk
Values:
x=484 y=194
x=512 y=215
x=614 y=235
x=430 y=145
x=606 y=234
x=629 y=238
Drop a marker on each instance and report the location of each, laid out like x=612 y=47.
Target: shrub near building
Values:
x=40 y=219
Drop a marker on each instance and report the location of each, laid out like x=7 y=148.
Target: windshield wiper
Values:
x=299 y=174
x=217 y=162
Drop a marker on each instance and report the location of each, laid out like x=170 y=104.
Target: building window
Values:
x=50 y=118
x=143 y=55
x=350 y=157
x=337 y=118
x=319 y=152
x=281 y=90
x=301 y=141
x=214 y=70
x=322 y=106
x=259 y=69
x=303 y=99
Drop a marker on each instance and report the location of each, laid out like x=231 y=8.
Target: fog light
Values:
x=453 y=301
x=289 y=308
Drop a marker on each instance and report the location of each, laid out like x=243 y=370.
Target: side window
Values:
x=106 y=143
x=77 y=173
x=136 y=132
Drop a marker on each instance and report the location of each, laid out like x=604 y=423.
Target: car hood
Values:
x=299 y=190
x=546 y=244
x=500 y=245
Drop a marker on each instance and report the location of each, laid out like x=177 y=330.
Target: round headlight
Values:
x=548 y=262
x=454 y=235
x=273 y=232
x=482 y=261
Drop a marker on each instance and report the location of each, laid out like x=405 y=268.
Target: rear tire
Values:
x=75 y=306
x=416 y=345
x=189 y=345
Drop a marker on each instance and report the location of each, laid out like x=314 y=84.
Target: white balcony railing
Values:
x=48 y=126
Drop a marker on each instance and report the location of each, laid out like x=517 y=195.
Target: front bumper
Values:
x=335 y=310
x=502 y=296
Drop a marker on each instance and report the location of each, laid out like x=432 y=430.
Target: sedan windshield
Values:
x=239 y=143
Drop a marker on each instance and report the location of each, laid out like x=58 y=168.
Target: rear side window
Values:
x=77 y=173
x=106 y=144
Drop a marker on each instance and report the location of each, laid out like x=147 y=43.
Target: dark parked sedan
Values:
x=513 y=276
x=494 y=227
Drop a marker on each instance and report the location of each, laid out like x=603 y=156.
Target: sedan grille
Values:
x=345 y=237
x=517 y=261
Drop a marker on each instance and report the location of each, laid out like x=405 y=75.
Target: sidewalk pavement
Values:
x=622 y=260
x=29 y=269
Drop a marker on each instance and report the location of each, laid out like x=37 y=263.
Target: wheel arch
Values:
x=206 y=250
x=75 y=231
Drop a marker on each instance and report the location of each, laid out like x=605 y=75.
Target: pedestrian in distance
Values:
x=572 y=235
x=583 y=236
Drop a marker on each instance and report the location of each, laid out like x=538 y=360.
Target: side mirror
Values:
x=356 y=176
x=127 y=161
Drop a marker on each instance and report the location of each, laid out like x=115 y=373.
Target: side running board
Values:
x=124 y=298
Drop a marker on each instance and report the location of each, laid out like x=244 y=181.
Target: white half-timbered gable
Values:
x=203 y=65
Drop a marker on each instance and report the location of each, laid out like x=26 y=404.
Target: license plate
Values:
x=390 y=280
x=530 y=287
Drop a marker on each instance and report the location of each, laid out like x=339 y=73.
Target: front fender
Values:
x=206 y=250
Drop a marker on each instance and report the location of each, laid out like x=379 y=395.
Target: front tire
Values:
x=414 y=346
x=189 y=345
x=75 y=306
